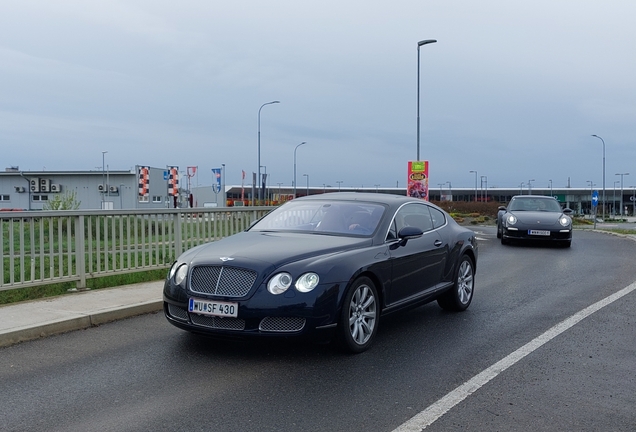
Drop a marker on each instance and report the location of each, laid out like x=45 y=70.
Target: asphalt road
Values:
x=143 y=374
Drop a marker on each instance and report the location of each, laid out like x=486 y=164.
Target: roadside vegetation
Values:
x=43 y=291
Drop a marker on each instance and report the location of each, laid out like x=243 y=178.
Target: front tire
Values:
x=359 y=318
x=459 y=297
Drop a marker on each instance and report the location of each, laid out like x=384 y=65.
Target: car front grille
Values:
x=222 y=281
x=218 y=322
x=282 y=324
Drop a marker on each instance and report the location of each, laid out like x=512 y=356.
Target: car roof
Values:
x=533 y=197
x=361 y=196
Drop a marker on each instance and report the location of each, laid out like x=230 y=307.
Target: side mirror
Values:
x=501 y=208
x=407 y=233
x=567 y=211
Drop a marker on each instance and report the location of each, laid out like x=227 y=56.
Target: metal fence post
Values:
x=80 y=252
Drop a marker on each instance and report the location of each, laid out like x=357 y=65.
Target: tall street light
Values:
x=223 y=185
x=614 y=199
x=591 y=201
x=419 y=44
x=265 y=182
x=339 y=183
x=530 y=186
x=450 y=190
x=258 y=179
x=307 y=175
x=475 y=184
x=622 y=174
x=302 y=143
x=603 y=173
x=103 y=177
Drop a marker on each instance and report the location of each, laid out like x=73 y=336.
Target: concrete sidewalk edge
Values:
x=82 y=322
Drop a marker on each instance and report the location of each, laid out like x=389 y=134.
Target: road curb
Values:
x=12 y=337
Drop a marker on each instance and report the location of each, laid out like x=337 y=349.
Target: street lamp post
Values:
x=441 y=190
x=622 y=174
x=591 y=201
x=419 y=44
x=302 y=143
x=603 y=173
x=530 y=186
x=259 y=145
x=484 y=196
x=475 y=184
x=614 y=199
x=265 y=182
x=550 y=187
x=450 y=190
x=103 y=177
x=521 y=188
x=307 y=175
x=223 y=185
x=339 y=183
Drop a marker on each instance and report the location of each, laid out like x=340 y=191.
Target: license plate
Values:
x=213 y=308
x=538 y=232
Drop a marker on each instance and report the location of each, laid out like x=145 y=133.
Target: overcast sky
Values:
x=513 y=90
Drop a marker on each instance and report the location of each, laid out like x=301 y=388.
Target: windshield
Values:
x=535 y=204
x=339 y=217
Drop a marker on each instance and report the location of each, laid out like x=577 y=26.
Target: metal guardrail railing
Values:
x=45 y=247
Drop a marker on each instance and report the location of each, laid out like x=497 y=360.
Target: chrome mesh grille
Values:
x=177 y=312
x=218 y=322
x=282 y=324
x=222 y=281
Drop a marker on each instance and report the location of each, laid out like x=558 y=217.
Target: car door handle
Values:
x=438 y=243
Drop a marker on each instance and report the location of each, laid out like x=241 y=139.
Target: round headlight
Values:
x=173 y=268
x=511 y=219
x=279 y=283
x=180 y=274
x=565 y=221
x=307 y=282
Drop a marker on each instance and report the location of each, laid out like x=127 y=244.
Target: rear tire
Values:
x=359 y=317
x=459 y=297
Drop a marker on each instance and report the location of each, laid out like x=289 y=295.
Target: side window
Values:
x=416 y=215
x=438 y=217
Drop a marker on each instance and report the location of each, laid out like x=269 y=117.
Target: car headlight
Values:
x=180 y=274
x=279 y=283
x=307 y=282
x=565 y=221
x=173 y=268
x=511 y=219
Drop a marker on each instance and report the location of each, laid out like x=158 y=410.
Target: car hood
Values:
x=272 y=248
x=538 y=217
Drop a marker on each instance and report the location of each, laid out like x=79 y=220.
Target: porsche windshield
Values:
x=535 y=204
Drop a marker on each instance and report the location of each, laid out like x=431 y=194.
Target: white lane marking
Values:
x=420 y=421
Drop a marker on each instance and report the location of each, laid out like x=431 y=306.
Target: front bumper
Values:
x=290 y=315
x=523 y=233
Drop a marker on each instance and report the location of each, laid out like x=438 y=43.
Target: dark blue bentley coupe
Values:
x=324 y=266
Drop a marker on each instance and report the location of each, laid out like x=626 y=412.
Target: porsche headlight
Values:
x=279 y=283
x=565 y=221
x=511 y=219
x=307 y=282
x=180 y=274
